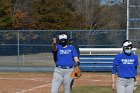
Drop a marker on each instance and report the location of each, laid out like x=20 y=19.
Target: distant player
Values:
x=66 y=58
x=125 y=64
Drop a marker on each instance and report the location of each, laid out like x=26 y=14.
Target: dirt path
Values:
x=41 y=82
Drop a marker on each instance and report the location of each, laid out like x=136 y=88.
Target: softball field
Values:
x=27 y=82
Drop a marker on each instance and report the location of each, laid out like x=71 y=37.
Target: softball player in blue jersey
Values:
x=125 y=65
x=66 y=57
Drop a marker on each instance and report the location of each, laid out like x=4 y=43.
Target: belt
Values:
x=64 y=67
x=127 y=77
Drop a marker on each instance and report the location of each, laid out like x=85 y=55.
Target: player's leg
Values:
x=67 y=81
x=130 y=87
x=56 y=81
x=120 y=85
x=71 y=85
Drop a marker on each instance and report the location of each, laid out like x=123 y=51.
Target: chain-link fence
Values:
x=27 y=50
x=134 y=20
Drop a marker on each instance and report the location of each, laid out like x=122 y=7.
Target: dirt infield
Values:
x=41 y=82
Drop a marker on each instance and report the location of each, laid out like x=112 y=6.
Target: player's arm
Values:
x=54 y=44
x=135 y=78
x=113 y=82
x=77 y=62
x=76 y=73
x=136 y=68
x=113 y=78
x=114 y=71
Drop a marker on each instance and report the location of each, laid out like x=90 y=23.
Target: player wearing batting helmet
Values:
x=125 y=65
x=66 y=57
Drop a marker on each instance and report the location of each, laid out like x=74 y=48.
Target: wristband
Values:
x=76 y=64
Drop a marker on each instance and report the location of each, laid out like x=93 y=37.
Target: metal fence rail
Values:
x=29 y=50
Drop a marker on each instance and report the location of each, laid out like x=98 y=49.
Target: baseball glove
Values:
x=76 y=73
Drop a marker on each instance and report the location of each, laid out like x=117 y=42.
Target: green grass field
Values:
x=40 y=59
x=97 y=89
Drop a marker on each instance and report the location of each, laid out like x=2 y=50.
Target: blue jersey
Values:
x=126 y=65
x=64 y=56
